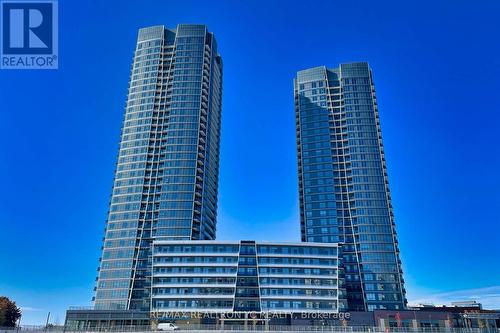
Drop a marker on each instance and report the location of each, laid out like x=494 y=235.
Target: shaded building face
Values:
x=343 y=186
x=166 y=178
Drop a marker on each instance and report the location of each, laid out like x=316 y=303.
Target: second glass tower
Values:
x=343 y=186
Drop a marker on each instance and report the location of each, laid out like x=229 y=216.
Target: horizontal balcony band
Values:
x=298 y=297
x=194 y=285
x=297 y=266
x=202 y=254
x=193 y=310
x=195 y=264
x=222 y=275
x=304 y=276
x=295 y=286
x=182 y=297
x=309 y=256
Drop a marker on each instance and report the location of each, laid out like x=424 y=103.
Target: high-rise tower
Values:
x=344 y=190
x=166 y=177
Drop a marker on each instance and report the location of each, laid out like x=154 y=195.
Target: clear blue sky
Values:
x=436 y=66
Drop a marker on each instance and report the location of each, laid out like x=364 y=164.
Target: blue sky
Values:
x=436 y=67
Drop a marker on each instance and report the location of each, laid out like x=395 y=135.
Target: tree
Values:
x=9 y=312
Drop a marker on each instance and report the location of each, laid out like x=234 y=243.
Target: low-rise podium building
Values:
x=246 y=276
x=232 y=282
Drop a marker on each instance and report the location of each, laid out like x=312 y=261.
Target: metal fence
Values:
x=32 y=328
x=334 y=329
x=250 y=328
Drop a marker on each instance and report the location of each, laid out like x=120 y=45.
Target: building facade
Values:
x=417 y=319
x=166 y=178
x=247 y=276
x=343 y=187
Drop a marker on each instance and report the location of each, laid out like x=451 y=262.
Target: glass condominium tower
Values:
x=343 y=187
x=166 y=177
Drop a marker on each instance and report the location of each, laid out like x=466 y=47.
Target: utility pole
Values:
x=47 y=323
x=19 y=323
